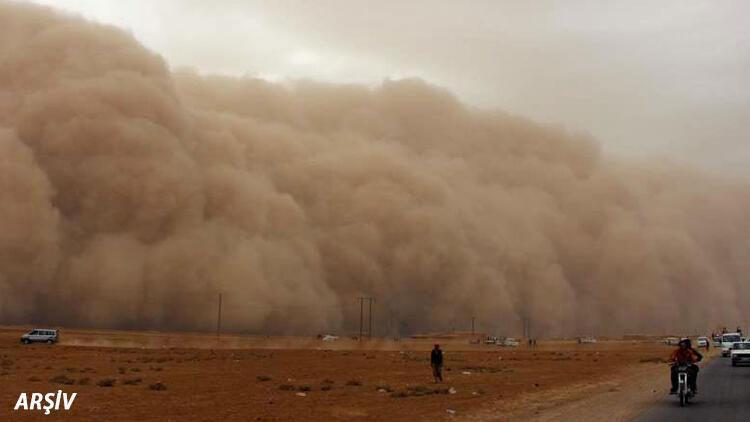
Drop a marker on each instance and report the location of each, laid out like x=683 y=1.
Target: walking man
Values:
x=436 y=361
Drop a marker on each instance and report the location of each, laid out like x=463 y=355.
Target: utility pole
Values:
x=472 y=325
x=361 y=316
x=218 y=319
x=361 y=307
x=526 y=326
x=369 y=331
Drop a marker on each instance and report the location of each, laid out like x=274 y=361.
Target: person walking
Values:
x=436 y=361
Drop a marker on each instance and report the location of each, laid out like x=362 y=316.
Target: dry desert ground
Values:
x=149 y=376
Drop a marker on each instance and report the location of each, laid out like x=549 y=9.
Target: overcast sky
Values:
x=660 y=79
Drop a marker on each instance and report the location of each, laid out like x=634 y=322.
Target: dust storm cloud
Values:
x=131 y=195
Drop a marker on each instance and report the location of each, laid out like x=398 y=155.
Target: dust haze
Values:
x=131 y=195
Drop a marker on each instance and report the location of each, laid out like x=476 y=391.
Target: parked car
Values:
x=586 y=340
x=740 y=353
x=510 y=342
x=41 y=335
x=702 y=342
x=671 y=341
x=727 y=340
x=491 y=340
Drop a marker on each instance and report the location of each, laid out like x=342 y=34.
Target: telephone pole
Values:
x=526 y=326
x=361 y=306
x=369 y=331
x=218 y=319
x=361 y=316
x=472 y=325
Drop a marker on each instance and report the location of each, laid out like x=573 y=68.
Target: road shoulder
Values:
x=620 y=397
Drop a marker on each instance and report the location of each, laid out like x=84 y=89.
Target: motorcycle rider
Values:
x=685 y=355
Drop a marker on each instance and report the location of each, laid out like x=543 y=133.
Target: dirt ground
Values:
x=273 y=379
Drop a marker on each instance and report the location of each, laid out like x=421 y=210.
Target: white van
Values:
x=727 y=340
x=39 y=335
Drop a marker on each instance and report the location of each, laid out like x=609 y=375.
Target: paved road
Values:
x=724 y=396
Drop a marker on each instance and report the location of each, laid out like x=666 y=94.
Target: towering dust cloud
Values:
x=130 y=196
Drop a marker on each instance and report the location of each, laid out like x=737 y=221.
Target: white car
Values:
x=671 y=341
x=740 y=353
x=39 y=335
x=702 y=342
x=329 y=337
x=727 y=340
x=586 y=340
x=510 y=342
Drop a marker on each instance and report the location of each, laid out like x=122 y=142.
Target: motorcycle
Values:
x=684 y=392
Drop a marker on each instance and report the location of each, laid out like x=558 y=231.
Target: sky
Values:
x=665 y=81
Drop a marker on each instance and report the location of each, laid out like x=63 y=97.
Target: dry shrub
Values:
x=106 y=382
x=157 y=386
x=62 y=379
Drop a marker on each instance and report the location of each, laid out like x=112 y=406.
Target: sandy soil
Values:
x=273 y=379
x=620 y=396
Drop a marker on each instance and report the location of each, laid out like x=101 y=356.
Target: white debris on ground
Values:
x=452 y=390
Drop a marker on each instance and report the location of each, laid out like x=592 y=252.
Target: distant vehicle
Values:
x=510 y=342
x=586 y=340
x=740 y=353
x=727 y=340
x=671 y=341
x=329 y=337
x=491 y=340
x=39 y=335
x=702 y=341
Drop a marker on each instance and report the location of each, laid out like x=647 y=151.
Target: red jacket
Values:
x=685 y=356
